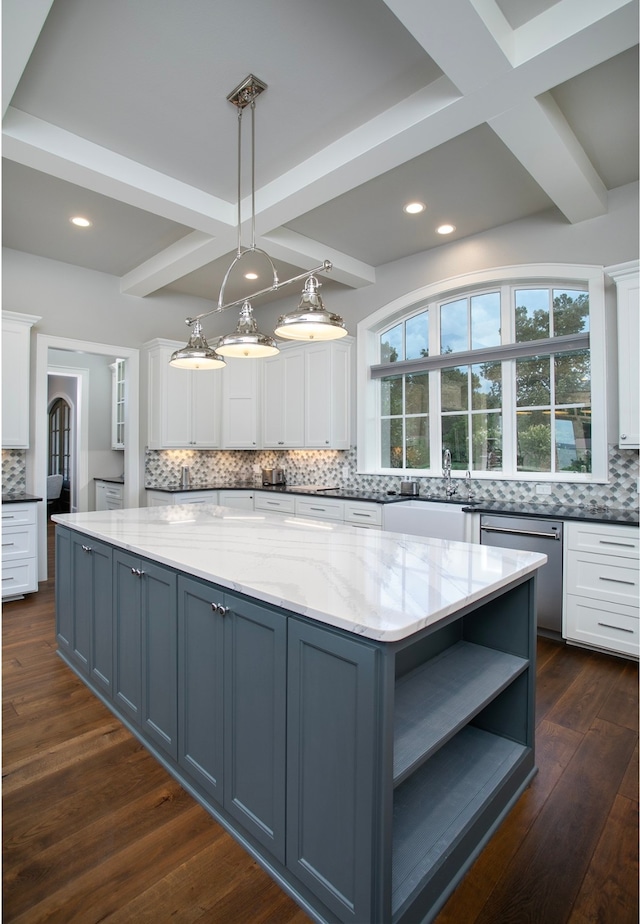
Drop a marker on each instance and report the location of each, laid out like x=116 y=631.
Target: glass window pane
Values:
x=391 y=443
x=486 y=436
x=455 y=438
x=573 y=440
x=573 y=377
x=417 y=336
x=485 y=320
x=533 y=378
x=454 y=333
x=417 y=393
x=486 y=386
x=391 y=345
x=391 y=395
x=417 y=442
x=532 y=314
x=534 y=441
x=454 y=388
x=570 y=312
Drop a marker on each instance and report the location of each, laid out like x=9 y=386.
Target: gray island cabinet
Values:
x=364 y=768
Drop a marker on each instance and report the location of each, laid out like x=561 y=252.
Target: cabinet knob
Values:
x=219 y=608
x=137 y=572
x=623 y=436
x=87 y=548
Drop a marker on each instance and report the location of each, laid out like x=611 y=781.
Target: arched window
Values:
x=60 y=438
x=504 y=368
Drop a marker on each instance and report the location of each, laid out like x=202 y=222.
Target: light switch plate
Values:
x=543 y=489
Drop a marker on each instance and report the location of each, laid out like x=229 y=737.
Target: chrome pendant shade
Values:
x=311 y=321
x=197 y=354
x=246 y=340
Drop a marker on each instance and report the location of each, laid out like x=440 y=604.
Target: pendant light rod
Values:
x=325 y=267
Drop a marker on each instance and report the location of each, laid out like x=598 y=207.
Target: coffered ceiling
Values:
x=487 y=111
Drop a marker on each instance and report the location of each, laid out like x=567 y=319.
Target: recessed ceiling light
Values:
x=414 y=208
x=446 y=229
x=80 y=222
x=250 y=275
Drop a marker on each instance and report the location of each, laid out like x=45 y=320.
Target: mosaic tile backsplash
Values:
x=14 y=470
x=338 y=469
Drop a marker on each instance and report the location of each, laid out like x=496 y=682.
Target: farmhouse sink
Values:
x=441 y=520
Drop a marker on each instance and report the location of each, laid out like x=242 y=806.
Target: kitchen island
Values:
x=354 y=706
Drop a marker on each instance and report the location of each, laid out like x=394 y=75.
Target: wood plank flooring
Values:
x=95 y=830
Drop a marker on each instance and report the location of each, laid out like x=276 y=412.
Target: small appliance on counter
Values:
x=272 y=476
x=409 y=487
x=185 y=481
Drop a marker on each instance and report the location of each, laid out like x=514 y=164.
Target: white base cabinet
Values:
x=19 y=550
x=109 y=496
x=601 y=584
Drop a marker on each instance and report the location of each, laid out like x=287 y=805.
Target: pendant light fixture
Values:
x=311 y=321
x=197 y=354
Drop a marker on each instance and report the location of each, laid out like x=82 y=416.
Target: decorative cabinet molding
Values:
x=183 y=405
x=627 y=279
x=16 y=354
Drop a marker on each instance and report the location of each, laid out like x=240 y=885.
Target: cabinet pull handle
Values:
x=624 y=545
x=8 y=579
x=5 y=544
x=87 y=548
x=320 y=509
x=607 y=625
x=8 y=516
x=354 y=513
x=618 y=581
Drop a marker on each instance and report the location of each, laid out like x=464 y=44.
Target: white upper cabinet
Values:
x=118 y=403
x=626 y=278
x=328 y=395
x=283 y=400
x=183 y=405
x=240 y=418
x=16 y=353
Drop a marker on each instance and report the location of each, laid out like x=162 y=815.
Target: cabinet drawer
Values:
x=614 y=628
x=322 y=509
x=602 y=577
x=277 y=504
x=18 y=542
x=622 y=541
x=361 y=513
x=19 y=577
x=18 y=514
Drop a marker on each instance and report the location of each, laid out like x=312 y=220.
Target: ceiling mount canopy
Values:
x=311 y=321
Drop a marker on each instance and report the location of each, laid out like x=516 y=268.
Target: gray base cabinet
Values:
x=365 y=777
x=84 y=627
x=145 y=623
x=232 y=705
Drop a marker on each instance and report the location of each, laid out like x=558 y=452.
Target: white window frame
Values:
x=549 y=274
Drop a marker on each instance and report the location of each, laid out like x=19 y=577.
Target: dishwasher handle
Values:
x=519 y=532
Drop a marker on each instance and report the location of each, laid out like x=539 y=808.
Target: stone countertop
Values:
x=588 y=513
x=622 y=516
x=375 y=584
x=112 y=479
x=20 y=497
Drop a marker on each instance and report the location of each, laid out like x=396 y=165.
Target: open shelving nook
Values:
x=463 y=746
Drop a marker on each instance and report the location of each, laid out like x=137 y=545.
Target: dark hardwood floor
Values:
x=95 y=830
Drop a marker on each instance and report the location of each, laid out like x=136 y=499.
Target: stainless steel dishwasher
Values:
x=533 y=534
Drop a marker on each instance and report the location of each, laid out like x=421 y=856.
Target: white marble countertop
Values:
x=380 y=585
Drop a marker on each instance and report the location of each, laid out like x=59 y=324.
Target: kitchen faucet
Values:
x=449 y=489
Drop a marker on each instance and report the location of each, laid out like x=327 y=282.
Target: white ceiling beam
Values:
x=22 y=23
x=184 y=256
x=477 y=55
x=45 y=147
x=291 y=247
x=542 y=140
